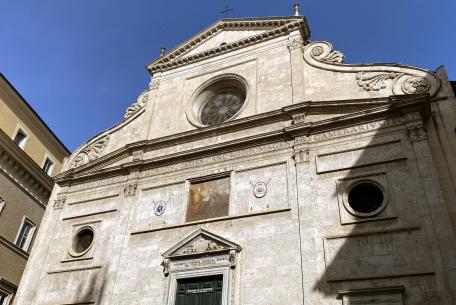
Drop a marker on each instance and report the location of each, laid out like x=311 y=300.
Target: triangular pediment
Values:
x=227 y=35
x=223 y=37
x=201 y=242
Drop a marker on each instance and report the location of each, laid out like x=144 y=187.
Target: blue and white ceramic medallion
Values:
x=160 y=207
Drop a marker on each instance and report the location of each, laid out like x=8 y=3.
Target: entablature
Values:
x=294 y=129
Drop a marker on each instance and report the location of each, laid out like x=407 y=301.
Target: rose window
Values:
x=221 y=106
x=218 y=100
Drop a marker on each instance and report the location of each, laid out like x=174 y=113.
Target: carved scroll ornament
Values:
x=327 y=55
x=136 y=106
x=90 y=152
x=400 y=79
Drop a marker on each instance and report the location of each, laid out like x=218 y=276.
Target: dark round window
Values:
x=218 y=100
x=221 y=106
x=365 y=197
x=83 y=240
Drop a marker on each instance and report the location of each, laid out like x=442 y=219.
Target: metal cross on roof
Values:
x=226 y=11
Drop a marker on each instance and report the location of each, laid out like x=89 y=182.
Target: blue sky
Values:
x=80 y=64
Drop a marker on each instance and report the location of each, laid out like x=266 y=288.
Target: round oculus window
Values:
x=83 y=240
x=221 y=106
x=217 y=101
x=366 y=198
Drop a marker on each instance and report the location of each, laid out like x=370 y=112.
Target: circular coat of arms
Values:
x=160 y=207
x=260 y=189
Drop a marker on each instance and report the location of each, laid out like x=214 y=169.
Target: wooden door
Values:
x=200 y=291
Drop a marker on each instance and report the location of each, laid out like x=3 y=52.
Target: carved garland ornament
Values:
x=373 y=77
x=90 y=152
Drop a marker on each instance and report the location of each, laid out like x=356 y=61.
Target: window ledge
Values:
x=13 y=247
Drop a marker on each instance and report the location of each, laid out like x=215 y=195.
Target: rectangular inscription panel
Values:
x=377 y=255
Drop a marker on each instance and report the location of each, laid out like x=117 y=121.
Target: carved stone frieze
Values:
x=348 y=131
x=97 y=183
x=90 y=152
x=139 y=104
x=215 y=159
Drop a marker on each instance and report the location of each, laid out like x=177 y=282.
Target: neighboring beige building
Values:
x=259 y=169
x=29 y=155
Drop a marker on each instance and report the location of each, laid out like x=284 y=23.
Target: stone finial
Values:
x=296 y=9
x=162 y=51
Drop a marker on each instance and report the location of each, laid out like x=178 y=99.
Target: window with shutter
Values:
x=200 y=291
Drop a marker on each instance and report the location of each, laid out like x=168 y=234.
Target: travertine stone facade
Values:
x=311 y=129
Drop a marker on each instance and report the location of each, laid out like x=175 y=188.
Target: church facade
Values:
x=259 y=168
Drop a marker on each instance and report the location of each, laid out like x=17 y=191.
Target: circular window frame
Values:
x=370 y=214
x=72 y=251
x=193 y=107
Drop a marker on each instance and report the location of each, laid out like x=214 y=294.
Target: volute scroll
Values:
x=399 y=79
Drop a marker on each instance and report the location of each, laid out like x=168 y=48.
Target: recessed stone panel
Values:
x=361 y=156
x=377 y=255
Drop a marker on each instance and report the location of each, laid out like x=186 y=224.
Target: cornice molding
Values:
x=375 y=110
x=18 y=103
x=274 y=26
x=19 y=167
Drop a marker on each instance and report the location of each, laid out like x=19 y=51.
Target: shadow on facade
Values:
x=92 y=290
x=389 y=249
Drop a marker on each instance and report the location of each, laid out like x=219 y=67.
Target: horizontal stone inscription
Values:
x=359 y=157
x=97 y=183
x=200 y=263
x=350 y=130
x=216 y=158
x=390 y=253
